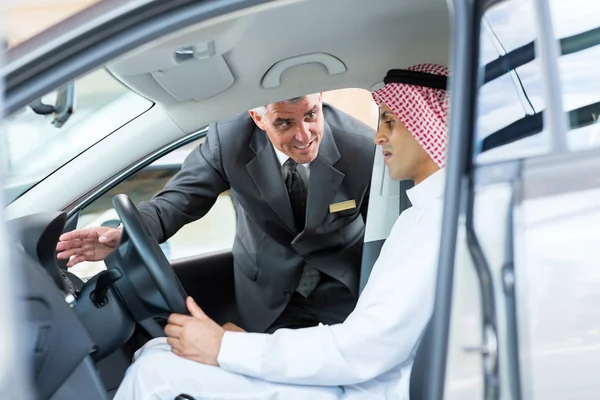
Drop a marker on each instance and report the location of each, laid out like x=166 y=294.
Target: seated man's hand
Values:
x=88 y=244
x=231 y=327
x=196 y=338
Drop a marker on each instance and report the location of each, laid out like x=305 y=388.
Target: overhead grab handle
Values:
x=272 y=78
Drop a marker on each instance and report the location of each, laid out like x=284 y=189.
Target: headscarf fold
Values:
x=422 y=110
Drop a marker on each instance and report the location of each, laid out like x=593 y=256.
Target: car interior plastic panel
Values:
x=384 y=206
x=109 y=326
x=84 y=382
x=190 y=67
x=272 y=78
x=57 y=341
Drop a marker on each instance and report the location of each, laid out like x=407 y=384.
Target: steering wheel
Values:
x=150 y=287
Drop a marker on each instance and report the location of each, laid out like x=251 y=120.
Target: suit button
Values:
x=286 y=293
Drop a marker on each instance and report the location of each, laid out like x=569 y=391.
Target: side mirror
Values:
x=62 y=110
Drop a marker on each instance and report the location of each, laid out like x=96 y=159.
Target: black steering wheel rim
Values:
x=163 y=278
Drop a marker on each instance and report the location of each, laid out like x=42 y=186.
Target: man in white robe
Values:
x=370 y=354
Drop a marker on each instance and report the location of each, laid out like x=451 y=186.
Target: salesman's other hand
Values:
x=87 y=244
x=196 y=338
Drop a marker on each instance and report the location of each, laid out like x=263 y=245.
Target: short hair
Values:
x=262 y=110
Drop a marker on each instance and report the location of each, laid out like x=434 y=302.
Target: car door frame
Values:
x=463 y=86
x=15 y=372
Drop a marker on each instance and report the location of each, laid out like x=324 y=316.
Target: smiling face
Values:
x=403 y=155
x=295 y=129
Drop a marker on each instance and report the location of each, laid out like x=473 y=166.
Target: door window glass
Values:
x=511 y=94
x=212 y=233
x=577 y=27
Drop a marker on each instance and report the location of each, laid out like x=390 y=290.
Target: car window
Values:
x=508 y=96
x=214 y=232
x=501 y=100
x=355 y=102
x=34 y=148
x=500 y=134
x=579 y=21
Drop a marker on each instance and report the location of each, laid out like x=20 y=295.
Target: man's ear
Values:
x=258 y=119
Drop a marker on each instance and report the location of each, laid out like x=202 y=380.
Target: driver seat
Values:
x=418 y=382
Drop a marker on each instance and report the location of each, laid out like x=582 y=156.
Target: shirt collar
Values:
x=430 y=189
x=282 y=157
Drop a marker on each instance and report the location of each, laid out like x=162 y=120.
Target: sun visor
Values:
x=183 y=82
x=188 y=67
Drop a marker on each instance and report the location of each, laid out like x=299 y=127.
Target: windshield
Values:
x=35 y=148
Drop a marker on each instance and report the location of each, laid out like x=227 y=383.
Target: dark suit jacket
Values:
x=268 y=250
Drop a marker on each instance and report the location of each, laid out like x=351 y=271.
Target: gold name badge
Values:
x=344 y=205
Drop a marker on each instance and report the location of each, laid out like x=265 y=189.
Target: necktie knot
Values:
x=290 y=164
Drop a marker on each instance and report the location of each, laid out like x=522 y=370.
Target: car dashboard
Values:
x=65 y=336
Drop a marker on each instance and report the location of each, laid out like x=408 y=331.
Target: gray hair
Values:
x=263 y=109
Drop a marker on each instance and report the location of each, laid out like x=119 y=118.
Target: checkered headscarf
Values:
x=423 y=110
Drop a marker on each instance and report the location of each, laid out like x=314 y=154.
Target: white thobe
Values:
x=368 y=356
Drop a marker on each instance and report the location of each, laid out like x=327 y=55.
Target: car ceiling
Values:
x=368 y=38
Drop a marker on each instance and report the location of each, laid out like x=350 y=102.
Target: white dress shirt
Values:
x=368 y=356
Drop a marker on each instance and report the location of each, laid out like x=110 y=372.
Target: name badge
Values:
x=344 y=205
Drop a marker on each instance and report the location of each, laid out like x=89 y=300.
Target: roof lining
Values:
x=368 y=41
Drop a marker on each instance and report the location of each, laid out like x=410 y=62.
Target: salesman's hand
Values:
x=88 y=244
x=196 y=338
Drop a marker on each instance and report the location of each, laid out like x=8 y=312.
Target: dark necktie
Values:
x=297 y=192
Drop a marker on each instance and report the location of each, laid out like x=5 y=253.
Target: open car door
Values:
x=516 y=313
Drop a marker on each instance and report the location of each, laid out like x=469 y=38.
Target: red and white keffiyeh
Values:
x=423 y=110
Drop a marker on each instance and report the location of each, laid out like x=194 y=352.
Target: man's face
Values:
x=294 y=129
x=403 y=155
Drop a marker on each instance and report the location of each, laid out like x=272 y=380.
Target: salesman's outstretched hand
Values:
x=196 y=338
x=87 y=244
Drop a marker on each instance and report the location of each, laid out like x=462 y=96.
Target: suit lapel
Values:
x=323 y=182
x=265 y=171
